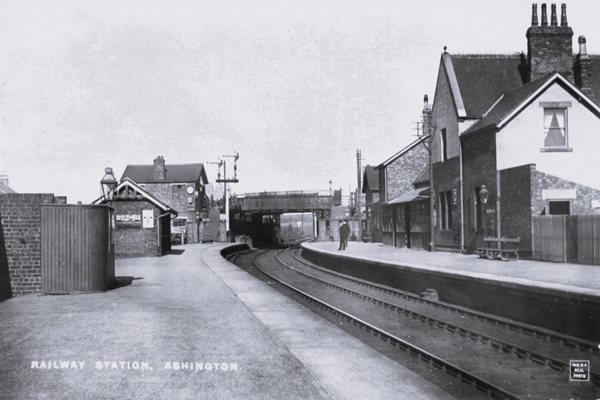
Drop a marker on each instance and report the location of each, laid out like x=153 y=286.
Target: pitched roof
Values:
x=370 y=179
x=422 y=178
x=511 y=103
x=403 y=151
x=6 y=189
x=477 y=80
x=129 y=190
x=173 y=173
x=412 y=195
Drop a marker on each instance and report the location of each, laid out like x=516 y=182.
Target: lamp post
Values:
x=198 y=218
x=108 y=183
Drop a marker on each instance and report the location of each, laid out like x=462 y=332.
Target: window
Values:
x=444 y=145
x=445 y=200
x=559 y=207
x=556 y=132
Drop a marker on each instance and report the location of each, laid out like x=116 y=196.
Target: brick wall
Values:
x=516 y=212
x=445 y=178
x=479 y=168
x=20 y=242
x=581 y=205
x=131 y=240
x=401 y=172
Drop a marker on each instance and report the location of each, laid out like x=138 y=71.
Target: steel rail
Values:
x=450 y=369
x=540 y=333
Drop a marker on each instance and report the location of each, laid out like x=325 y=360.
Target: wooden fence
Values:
x=567 y=238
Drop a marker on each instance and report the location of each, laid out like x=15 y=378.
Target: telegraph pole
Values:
x=358 y=178
x=225 y=181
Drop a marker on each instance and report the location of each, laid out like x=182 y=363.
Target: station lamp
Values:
x=484 y=194
x=108 y=184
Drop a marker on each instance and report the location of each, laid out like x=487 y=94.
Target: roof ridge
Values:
x=487 y=55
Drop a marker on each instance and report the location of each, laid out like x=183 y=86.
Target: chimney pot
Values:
x=534 y=15
x=553 y=19
x=563 y=15
x=544 y=15
x=582 y=46
x=426 y=101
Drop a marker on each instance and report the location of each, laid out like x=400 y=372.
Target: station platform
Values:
x=576 y=278
x=557 y=296
x=188 y=325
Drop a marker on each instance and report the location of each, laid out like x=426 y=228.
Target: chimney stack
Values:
x=563 y=15
x=544 y=16
x=159 y=168
x=534 y=16
x=549 y=47
x=4 y=179
x=583 y=69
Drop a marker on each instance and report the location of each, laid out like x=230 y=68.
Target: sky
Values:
x=294 y=87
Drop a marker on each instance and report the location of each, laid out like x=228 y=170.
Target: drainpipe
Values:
x=462 y=210
x=498 y=197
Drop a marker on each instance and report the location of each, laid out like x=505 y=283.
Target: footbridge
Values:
x=258 y=215
x=283 y=202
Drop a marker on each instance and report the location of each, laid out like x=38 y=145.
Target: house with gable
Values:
x=396 y=177
x=179 y=186
x=524 y=129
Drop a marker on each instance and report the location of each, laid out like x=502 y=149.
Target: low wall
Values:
x=570 y=313
x=20 y=242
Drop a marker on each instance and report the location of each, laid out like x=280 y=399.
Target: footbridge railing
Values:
x=289 y=201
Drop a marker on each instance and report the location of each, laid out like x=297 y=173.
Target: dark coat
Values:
x=344 y=230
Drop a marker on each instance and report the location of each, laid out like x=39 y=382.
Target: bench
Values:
x=506 y=249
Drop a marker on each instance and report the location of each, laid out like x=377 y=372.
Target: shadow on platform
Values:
x=122 y=281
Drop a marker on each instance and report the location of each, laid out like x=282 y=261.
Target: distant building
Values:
x=370 y=188
x=4 y=188
x=396 y=177
x=142 y=224
x=181 y=187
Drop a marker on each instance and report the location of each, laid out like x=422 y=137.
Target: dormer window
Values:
x=556 y=132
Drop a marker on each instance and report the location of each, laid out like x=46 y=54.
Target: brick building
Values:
x=523 y=126
x=396 y=177
x=142 y=224
x=181 y=187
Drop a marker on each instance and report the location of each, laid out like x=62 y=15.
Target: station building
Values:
x=523 y=128
x=180 y=187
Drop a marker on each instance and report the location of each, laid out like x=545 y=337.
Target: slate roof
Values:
x=412 y=195
x=173 y=173
x=506 y=103
x=370 y=179
x=6 y=189
x=403 y=151
x=423 y=178
x=511 y=103
x=482 y=78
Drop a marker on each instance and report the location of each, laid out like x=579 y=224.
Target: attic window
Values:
x=556 y=133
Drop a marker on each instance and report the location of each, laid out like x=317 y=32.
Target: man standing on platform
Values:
x=344 y=233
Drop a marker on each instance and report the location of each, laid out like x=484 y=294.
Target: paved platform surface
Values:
x=242 y=340
x=577 y=278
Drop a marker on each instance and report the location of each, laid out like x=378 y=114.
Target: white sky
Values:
x=295 y=87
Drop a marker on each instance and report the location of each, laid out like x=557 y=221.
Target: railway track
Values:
x=500 y=359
